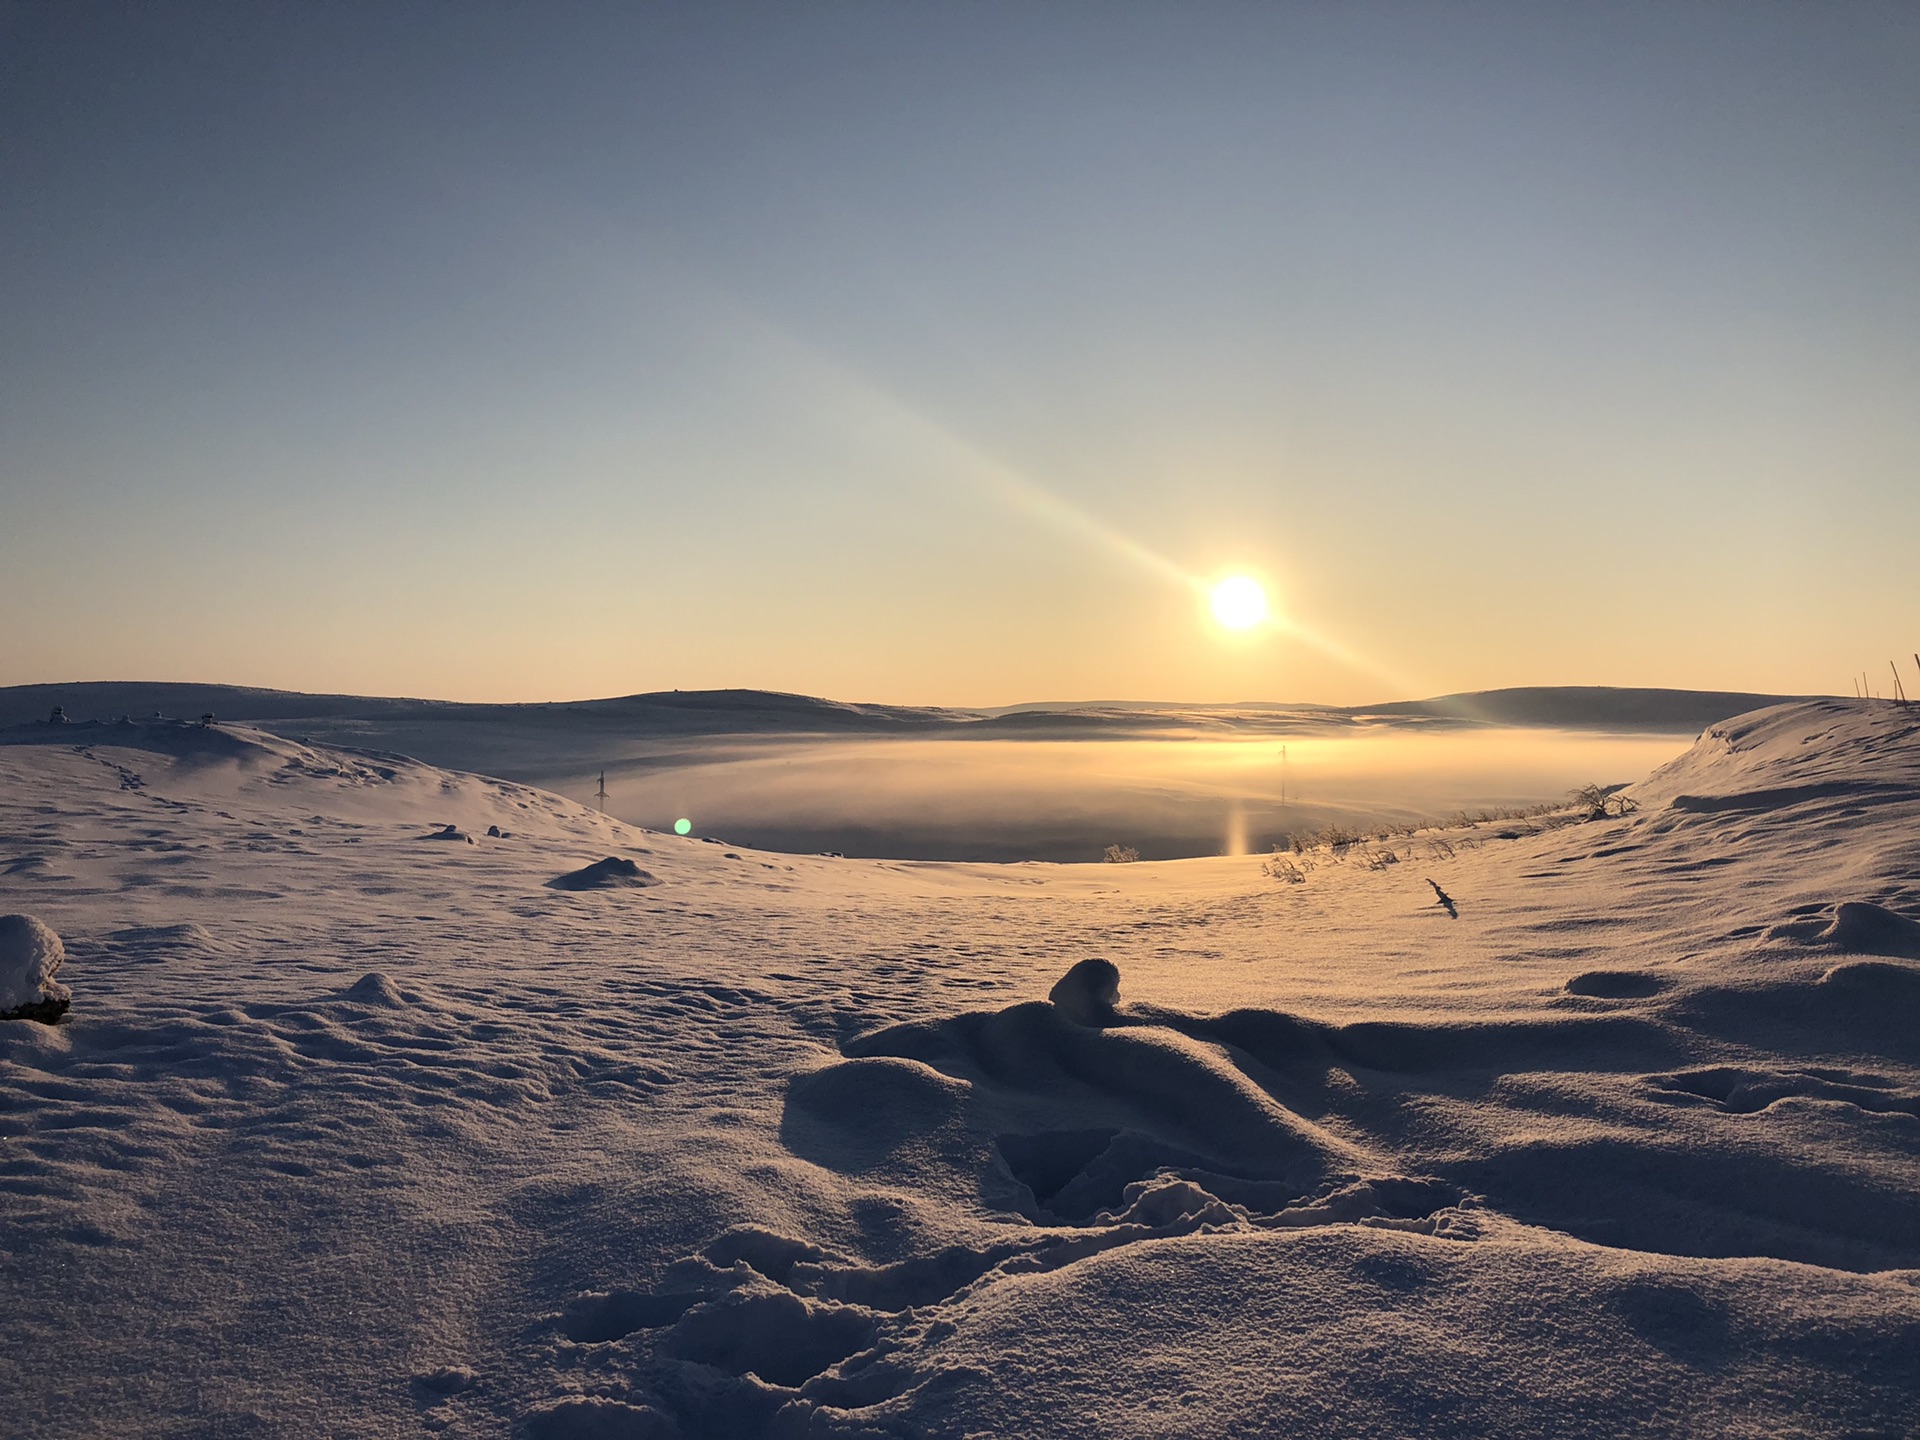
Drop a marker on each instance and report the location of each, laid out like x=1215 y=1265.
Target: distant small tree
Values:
x=1282 y=867
x=1592 y=799
x=1121 y=854
x=1602 y=802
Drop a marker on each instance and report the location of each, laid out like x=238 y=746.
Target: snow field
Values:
x=356 y=1134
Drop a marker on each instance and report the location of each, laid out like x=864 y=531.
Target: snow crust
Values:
x=357 y=1135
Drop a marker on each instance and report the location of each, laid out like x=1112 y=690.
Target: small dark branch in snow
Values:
x=1445 y=900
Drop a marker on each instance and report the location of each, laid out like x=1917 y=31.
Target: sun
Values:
x=1239 y=602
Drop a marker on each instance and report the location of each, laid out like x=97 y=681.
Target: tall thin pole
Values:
x=600 y=799
x=1899 y=690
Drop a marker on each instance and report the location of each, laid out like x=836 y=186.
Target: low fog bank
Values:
x=783 y=772
x=1069 y=800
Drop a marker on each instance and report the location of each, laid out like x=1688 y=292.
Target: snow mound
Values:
x=1861 y=928
x=1088 y=993
x=446 y=1380
x=375 y=988
x=592 y=1417
x=30 y=956
x=613 y=873
x=861 y=1110
x=1876 y=982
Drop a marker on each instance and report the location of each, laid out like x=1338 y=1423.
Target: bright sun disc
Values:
x=1239 y=603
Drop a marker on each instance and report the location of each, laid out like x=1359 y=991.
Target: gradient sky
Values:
x=913 y=351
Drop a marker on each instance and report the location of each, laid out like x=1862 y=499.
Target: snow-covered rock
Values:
x=1088 y=992
x=616 y=872
x=30 y=956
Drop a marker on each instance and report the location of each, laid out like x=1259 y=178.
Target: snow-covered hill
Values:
x=360 y=1126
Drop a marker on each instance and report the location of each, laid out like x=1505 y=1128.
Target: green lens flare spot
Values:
x=683 y=827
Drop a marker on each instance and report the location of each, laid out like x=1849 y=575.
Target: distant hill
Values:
x=665 y=713
x=1601 y=707
x=110 y=699
x=1589 y=707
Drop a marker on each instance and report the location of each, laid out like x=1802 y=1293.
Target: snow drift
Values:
x=398 y=1137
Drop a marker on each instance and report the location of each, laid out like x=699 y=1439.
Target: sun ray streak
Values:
x=879 y=418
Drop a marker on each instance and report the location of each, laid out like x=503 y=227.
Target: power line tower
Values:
x=600 y=796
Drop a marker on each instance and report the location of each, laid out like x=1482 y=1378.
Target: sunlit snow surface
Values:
x=360 y=1127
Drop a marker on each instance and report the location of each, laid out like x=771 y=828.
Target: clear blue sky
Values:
x=915 y=351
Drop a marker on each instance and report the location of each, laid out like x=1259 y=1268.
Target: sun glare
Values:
x=1239 y=603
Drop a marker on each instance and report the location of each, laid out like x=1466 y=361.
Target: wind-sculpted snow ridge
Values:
x=1794 y=754
x=349 y=1133
x=1210 y=1136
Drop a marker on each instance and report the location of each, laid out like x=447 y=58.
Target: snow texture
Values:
x=358 y=1136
